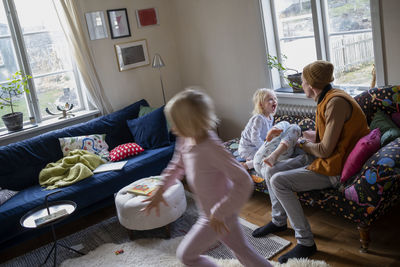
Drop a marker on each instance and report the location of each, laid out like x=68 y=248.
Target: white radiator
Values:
x=293 y=109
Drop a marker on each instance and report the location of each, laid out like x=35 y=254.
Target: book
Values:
x=51 y=217
x=110 y=166
x=145 y=187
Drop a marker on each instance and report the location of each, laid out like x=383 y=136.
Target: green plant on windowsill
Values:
x=16 y=86
x=294 y=80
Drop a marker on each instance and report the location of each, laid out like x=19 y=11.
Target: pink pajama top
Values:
x=220 y=184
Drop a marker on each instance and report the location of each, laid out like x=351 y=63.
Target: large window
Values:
x=32 y=40
x=339 y=31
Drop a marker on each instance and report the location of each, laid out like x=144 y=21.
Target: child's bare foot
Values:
x=270 y=160
x=274 y=132
x=244 y=165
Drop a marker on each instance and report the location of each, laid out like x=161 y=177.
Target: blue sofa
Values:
x=21 y=162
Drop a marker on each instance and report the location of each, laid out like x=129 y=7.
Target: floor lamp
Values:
x=158 y=63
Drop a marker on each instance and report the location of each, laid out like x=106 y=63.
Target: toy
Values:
x=117 y=252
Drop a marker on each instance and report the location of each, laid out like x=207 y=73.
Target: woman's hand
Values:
x=154 y=201
x=310 y=136
x=218 y=225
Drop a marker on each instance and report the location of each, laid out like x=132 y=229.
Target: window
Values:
x=32 y=40
x=339 y=31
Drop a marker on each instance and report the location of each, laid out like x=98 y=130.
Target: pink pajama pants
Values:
x=202 y=237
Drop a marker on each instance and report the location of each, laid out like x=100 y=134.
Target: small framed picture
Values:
x=132 y=55
x=96 y=25
x=119 y=23
x=147 y=17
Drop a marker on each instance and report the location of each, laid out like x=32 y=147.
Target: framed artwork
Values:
x=96 y=25
x=119 y=23
x=147 y=17
x=132 y=55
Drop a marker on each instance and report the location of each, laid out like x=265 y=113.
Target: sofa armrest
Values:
x=376 y=186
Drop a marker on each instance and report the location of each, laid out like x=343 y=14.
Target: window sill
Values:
x=30 y=130
x=288 y=93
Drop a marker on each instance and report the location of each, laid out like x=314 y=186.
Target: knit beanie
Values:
x=318 y=74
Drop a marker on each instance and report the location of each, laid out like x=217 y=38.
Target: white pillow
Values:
x=94 y=143
x=6 y=194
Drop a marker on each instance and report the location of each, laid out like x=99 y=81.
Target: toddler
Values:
x=255 y=132
x=279 y=145
x=219 y=183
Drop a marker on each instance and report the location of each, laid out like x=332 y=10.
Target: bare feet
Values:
x=270 y=160
x=274 y=132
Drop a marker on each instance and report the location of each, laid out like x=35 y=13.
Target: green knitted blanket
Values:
x=77 y=165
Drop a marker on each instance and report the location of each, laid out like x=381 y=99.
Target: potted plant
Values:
x=294 y=80
x=16 y=86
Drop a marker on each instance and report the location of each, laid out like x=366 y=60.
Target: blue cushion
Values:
x=150 y=130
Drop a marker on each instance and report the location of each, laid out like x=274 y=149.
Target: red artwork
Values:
x=147 y=17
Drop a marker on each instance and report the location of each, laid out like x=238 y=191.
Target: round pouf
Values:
x=129 y=205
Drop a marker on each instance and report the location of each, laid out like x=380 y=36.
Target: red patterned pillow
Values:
x=124 y=151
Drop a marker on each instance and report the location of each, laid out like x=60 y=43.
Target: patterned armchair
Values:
x=374 y=189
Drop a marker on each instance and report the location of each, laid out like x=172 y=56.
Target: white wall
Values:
x=222 y=49
x=124 y=88
x=217 y=44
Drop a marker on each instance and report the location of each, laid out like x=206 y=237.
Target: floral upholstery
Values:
x=373 y=190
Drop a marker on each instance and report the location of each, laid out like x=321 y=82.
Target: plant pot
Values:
x=295 y=80
x=13 y=121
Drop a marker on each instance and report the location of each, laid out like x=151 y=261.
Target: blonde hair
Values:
x=258 y=99
x=191 y=113
x=318 y=74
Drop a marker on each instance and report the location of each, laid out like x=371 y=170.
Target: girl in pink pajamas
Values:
x=220 y=184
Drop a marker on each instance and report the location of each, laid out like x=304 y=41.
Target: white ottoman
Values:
x=129 y=205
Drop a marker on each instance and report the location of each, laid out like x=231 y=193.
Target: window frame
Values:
x=21 y=55
x=318 y=11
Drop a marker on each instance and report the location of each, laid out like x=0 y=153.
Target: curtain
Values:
x=70 y=22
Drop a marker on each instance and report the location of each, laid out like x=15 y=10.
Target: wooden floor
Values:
x=337 y=239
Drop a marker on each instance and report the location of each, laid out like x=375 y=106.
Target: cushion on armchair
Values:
x=364 y=149
x=150 y=130
x=388 y=128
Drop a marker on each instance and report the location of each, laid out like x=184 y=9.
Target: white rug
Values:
x=157 y=253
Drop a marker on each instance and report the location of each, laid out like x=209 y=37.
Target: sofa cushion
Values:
x=125 y=151
x=364 y=149
x=145 y=110
x=388 y=128
x=94 y=143
x=150 y=130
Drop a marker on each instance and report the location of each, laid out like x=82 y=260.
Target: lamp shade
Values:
x=157 y=61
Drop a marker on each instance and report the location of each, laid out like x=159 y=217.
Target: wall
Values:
x=391 y=39
x=124 y=88
x=221 y=47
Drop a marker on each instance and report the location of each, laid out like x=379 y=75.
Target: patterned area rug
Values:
x=109 y=236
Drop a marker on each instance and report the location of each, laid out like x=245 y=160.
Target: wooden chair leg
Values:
x=364 y=236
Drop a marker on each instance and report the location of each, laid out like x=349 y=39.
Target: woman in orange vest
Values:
x=340 y=123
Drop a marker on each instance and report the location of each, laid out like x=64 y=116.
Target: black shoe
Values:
x=268 y=229
x=299 y=251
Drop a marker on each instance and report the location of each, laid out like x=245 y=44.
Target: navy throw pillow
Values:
x=150 y=130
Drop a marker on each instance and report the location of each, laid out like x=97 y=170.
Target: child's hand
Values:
x=154 y=200
x=218 y=225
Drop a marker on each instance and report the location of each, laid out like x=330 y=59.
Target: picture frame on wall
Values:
x=147 y=17
x=96 y=25
x=132 y=55
x=119 y=23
